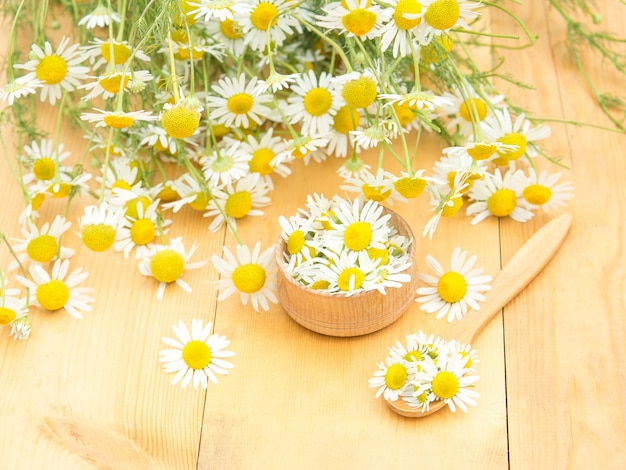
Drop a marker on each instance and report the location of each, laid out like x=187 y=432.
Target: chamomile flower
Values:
x=543 y=190
x=348 y=272
x=229 y=33
x=54 y=292
x=501 y=127
x=266 y=20
x=277 y=81
x=99 y=226
x=263 y=154
x=243 y=198
x=372 y=136
x=445 y=203
x=499 y=196
x=236 y=102
x=99 y=17
x=210 y=10
x=42 y=244
x=113 y=52
x=13 y=310
x=358 y=89
x=168 y=263
x=353 y=168
x=294 y=231
x=399 y=30
x=140 y=232
x=109 y=84
x=451 y=292
x=19 y=88
x=225 y=165
x=411 y=185
x=469 y=107
x=439 y=16
x=305 y=148
x=418 y=101
x=392 y=377
x=446 y=378
x=376 y=187
x=117 y=119
x=313 y=101
x=197 y=355
x=345 y=121
x=190 y=193
x=44 y=159
x=158 y=138
x=57 y=70
x=251 y=274
x=356 y=18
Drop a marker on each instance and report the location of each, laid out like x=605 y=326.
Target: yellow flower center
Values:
x=42 y=248
x=437 y=49
x=6 y=315
x=358 y=235
x=468 y=364
x=168 y=194
x=445 y=385
x=451 y=210
x=481 y=151
x=142 y=232
x=295 y=242
x=121 y=52
x=200 y=202
x=185 y=52
x=53 y=295
x=317 y=101
x=98 y=237
x=130 y=208
x=409 y=186
x=396 y=376
x=360 y=93
x=167 y=265
x=322 y=284
x=347 y=119
x=406 y=6
x=120 y=184
x=537 y=194
x=118 y=121
x=442 y=14
x=113 y=82
x=44 y=168
x=230 y=29
x=220 y=130
x=413 y=356
x=375 y=193
x=404 y=112
x=474 y=109
x=262 y=15
x=349 y=275
x=249 y=278
x=502 y=202
x=196 y=354
x=51 y=70
x=37 y=200
x=452 y=287
x=240 y=103
x=260 y=161
x=61 y=191
x=513 y=138
x=359 y=21
x=180 y=122
x=238 y=204
x=378 y=254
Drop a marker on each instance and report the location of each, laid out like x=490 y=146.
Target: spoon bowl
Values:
x=523 y=267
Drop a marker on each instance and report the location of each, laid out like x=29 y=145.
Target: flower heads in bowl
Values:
x=344 y=247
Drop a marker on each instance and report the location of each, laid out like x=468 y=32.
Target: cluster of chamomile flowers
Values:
x=426 y=369
x=340 y=246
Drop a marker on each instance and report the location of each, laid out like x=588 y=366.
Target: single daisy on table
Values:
x=197 y=354
x=53 y=291
x=42 y=244
x=56 y=70
x=314 y=102
x=499 y=196
x=235 y=102
x=451 y=292
x=543 y=191
x=168 y=263
x=99 y=226
x=251 y=274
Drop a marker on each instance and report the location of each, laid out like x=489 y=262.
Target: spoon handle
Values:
x=525 y=264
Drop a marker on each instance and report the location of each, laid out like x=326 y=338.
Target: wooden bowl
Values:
x=343 y=315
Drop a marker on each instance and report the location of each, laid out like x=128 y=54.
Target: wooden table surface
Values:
x=91 y=393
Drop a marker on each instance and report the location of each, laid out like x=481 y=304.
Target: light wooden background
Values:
x=90 y=394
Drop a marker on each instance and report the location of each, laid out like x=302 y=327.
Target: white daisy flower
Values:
x=190 y=193
x=418 y=101
x=229 y=33
x=341 y=139
x=113 y=52
x=446 y=378
x=376 y=187
x=99 y=226
x=196 y=354
x=439 y=16
x=276 y=82
x=99 y=17
x=243 y=198
x=399 y=30
x=357 y=18
x=210 y=10
x=117 y=119
x=452 y=164
x=445 y=204
x=469 y=107
x=225 y=164
x=346 y=272
x=294 y=231
x=542 y=191
x=251 y=274
x=238 y=102
x=264 y=20
x=263 y=154
x=156 y=137
x=110 y=83
x=42 y=244
x=13 y=310
x=306 y=148
x=140 y=232
x=500 y=127
x=392 y=377
x=498 y=196
x=353 y=168
x=19 y=88
x=57 y=70
x=313 y=101
x=451 y=292
x=44 y=159
x=53 y=292
x=168 y=263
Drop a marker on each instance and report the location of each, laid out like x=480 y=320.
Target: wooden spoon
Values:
x=519 y=271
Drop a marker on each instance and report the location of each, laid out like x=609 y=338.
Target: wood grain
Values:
x=90 y=393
